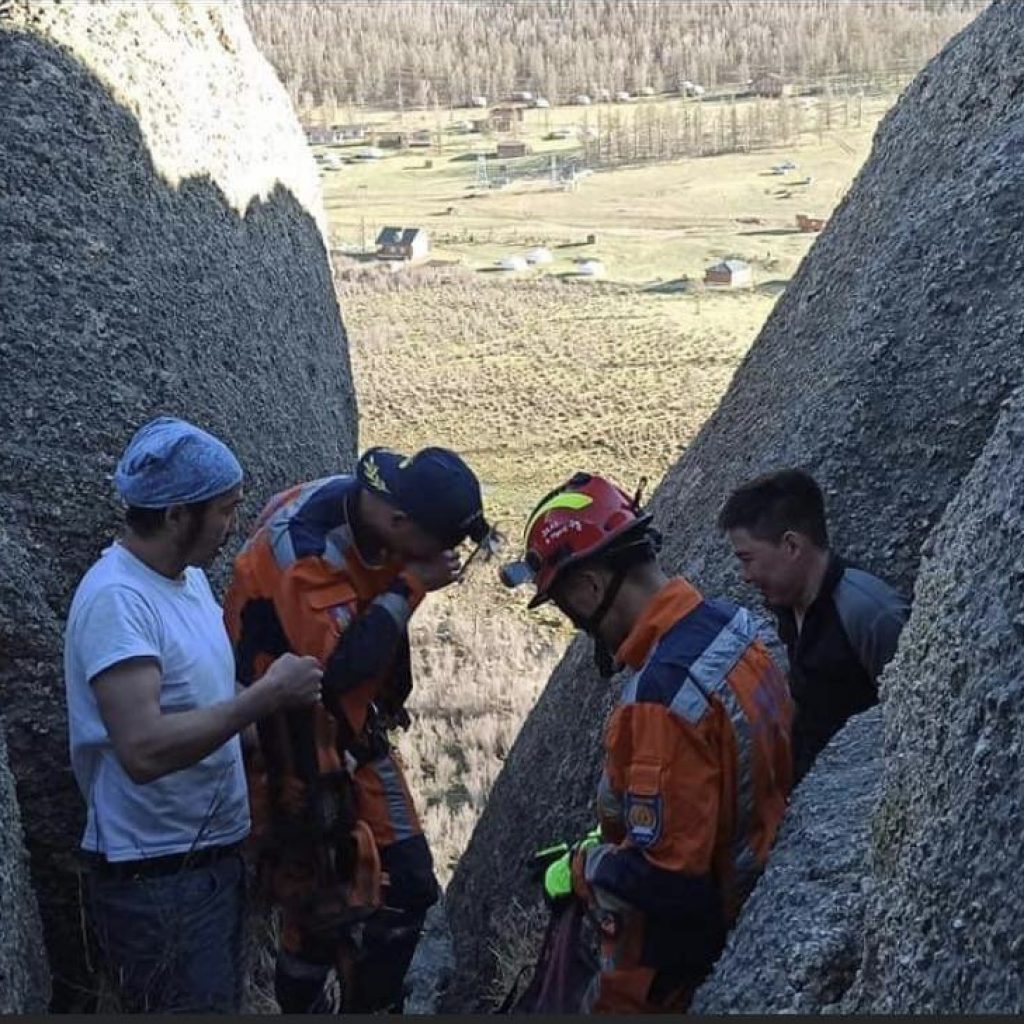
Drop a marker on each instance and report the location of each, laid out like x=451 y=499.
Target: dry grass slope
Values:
x=533 y=380
x=478 y=672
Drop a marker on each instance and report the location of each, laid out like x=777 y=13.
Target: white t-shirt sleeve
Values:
x=117 y=624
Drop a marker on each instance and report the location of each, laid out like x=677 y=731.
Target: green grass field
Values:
x=532 y=380
x=535 y=374
x=654 y=223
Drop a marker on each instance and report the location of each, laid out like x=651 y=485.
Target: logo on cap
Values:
x=372 y=473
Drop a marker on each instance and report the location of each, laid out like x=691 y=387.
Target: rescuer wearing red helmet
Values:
x=697 y=753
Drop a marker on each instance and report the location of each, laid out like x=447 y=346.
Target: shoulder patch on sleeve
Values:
x=643 y=819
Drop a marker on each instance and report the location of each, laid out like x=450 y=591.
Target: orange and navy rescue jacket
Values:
x=697 y=770
x=300 y=584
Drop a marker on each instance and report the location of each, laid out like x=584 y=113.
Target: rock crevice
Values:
x=882 y=369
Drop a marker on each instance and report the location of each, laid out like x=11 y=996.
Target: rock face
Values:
x=924 y=912
x=882 y=370
x=24 y=975
x=943 y=924
x=430 y=972
x=161 y=251
x=805 y=961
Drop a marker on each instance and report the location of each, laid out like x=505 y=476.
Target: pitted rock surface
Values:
x=161 y=251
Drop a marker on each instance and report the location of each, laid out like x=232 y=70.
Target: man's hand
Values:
x=438 y=571
x=291 y=682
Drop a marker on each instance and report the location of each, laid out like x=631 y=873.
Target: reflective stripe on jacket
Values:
x=301 y=585
x=697 y=773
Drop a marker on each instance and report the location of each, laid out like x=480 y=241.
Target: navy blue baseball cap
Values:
x=435 y=488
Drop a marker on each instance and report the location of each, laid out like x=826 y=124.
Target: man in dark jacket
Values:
x=839 y=623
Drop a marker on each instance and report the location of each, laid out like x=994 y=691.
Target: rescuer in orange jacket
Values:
x=335 y=568
x=697 y=753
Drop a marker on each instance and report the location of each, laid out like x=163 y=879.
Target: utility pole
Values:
x=401 y=108
x=362 y=231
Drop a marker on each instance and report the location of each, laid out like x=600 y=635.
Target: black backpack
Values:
x=565 y=968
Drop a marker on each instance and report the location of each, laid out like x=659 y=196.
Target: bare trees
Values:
x=444 y=51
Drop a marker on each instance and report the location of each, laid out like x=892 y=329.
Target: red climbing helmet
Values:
x=586 y=515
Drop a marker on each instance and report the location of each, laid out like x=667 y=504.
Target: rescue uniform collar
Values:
x=674 y=601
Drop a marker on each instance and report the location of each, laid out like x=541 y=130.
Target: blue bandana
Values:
x=171 y=462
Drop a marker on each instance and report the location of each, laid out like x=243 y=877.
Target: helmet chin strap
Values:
x=591 y=625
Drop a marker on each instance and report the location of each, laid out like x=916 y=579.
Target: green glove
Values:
x=558 y=879
x=558 y=875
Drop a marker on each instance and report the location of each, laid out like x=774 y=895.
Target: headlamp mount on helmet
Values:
x=585 y=517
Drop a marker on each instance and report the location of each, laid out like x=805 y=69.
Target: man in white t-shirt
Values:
x=154 y=718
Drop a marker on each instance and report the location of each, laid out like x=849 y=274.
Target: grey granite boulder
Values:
x=161 y=251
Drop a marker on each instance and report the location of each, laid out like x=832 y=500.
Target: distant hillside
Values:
x=409 y=53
